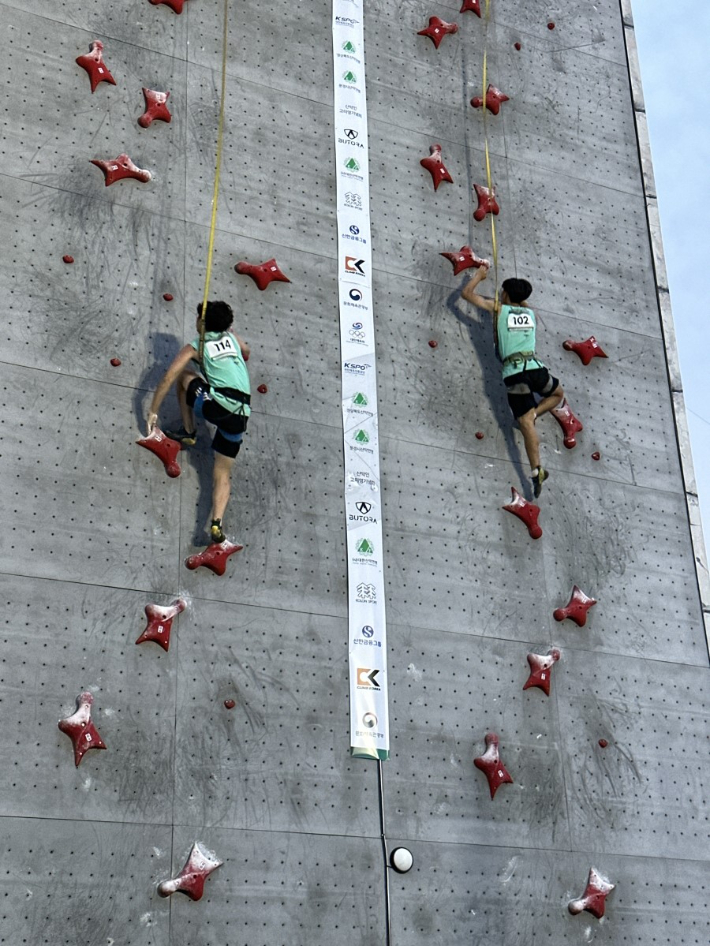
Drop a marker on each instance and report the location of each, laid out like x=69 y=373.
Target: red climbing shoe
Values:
x=538 y=479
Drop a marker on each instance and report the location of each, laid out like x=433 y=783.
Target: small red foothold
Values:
x=191 y=879
x=438 y=29
x=164 y=448
x=262 y=274
x=81 y=729
x=588 y=349
x=94 y=64
x=116 y=362
x=465 y=259
x=433 y=343
x=576 y=608
x=120 y=168
x=175 y=5
x=491 y=766
x=494 y=100
x=540 y=670
x=550 y=25
x=593 y=899
x=230 y=704
x=436 y=167
x=214 y=557
x=68 y=260
x=168 y=296
x=603 y=743
x=570 y=424
x=526 y=511
x=156 y=108
x=480 y=435
x=596 y=455
x=160 y=622
x=262 y=389
x=518 y=46
x=471 y=6
x=487 y=203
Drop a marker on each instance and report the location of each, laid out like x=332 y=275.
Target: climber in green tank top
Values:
x=526 y=378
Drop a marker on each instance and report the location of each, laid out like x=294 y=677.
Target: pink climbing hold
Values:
x=229 y=704
x=438 y=29
x=263 y=389
x=471 y=6
x=465 y=259
x=80 y=728
x=214 y=557
x=191 y=879
x=588 y=349
x=116 y=362
x=436 y=167
x=518 y=46
x=596 y=455
x=480 y=435
x=527 y=512
x=160 y=622
x=541 y=670
x=120 y=168
x=570 y=424
x=168 y=296
x=550 y=25
x=491 y=766
x=94 y=64
x=603 y=743
x=165 y=450
x=487 y=203
x=494 y=100
x=262 y=274
x=433 y=343
x=593 y=900
x=156 y=108
x=68 y=259
x=576 y=608
x=175 y=5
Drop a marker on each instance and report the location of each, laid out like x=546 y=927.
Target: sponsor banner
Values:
x=369 y=723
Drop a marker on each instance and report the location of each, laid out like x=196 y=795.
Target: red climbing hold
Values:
x=593 y=900
x=550 y=25
x=472 y=6
x=168 y=296
x=164 y=448
x=491 y=766
x=540 y=670
x=214 y=557
x=603 y=743
x=480 y=435
x=596 y=455
x=576 y=609
x=518 y=46
x=262 y=389
x=438 y=29
x=465 y=259
x=229 y=704
x=116 y=362
x=494 y=100
x=526 y=511
x=120 y=168
x=433 y=343
x=68 y=260
x=175 y=5
x=156 y=108
x=436 y=167
x=586 y=350
x=81 y=729
x=94 y=64
x=262 y=274
x=568 y=422
x=191 y=879
x=160 y=622
x=487 y=203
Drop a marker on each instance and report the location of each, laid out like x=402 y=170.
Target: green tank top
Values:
x=516 y=333
x=224 y=367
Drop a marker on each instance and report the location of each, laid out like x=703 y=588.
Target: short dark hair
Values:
x=518 y=290
x=218 y=317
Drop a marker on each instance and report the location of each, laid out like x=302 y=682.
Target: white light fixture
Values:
x=401 y=859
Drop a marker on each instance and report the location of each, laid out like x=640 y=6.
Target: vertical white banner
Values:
x=369 y=722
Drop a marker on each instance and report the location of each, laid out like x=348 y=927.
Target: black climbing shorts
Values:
x=230 y=427
x=523 y=386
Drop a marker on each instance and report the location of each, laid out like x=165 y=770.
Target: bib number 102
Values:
x=519 y=320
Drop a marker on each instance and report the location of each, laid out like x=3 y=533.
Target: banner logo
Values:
x=356 y=296
x=368 y=631
x=369 y=720
x=366 y=593
x=363 y=508
x=361 y=401
x=349 y=76
x=354 y=265
x=365 y=547
x=352 y=165
x=361 y=437
x=349 y=47
x=367 y=678
x=353 y=200
x=350 y=133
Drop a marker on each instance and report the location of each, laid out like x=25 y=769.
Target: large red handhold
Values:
x=164 y=448
x=436 y=167
x=175 y=5
x=588 y=349
x=81 y=729
x=491 y=766
x=593 y=900
x=438 y=29
x=570 y=424
x=472 y=6
x=526 y=511
x=577 y=607
x=262 y=274
x=487 y=203
x=494 y=100
x=191 y=879
x=156 y=108
x=120 y=168
x=465 y=259
x=214 y=557
x=160 y=622
x=540 y=670
x=94 y=64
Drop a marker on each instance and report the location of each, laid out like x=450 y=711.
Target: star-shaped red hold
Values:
x=214 y=557
x=156 y=108
x=120 y=168
x=491 y=766
x=588 y=349
x=165 y=450
x=436 y=167
x=487 y=203
x=494 y=99
x=175 y=5
x=94 y=64
x=570 y=424
x=160 y=622
x=81 y=729
x=593 y=900
x=465 y=259
x=577 y=607
x=262 y=274
x=471 y=6
x=540 y=670
x=191 y=879
x=438 y=29
x=526 y=511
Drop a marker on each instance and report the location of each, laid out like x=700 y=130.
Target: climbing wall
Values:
x=236 y=736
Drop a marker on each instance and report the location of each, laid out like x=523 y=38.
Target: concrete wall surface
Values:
x=93 y=530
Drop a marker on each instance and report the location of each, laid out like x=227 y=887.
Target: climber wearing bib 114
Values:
x=222 y=398
x=524 y=375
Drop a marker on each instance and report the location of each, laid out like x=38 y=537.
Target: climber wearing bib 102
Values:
x=222 y=398
x=524 y=375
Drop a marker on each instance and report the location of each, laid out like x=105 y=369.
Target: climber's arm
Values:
x=470 y=295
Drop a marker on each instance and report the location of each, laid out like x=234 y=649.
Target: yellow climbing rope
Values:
x=489 y=176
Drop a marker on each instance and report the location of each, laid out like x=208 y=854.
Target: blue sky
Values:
x=675 y=67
